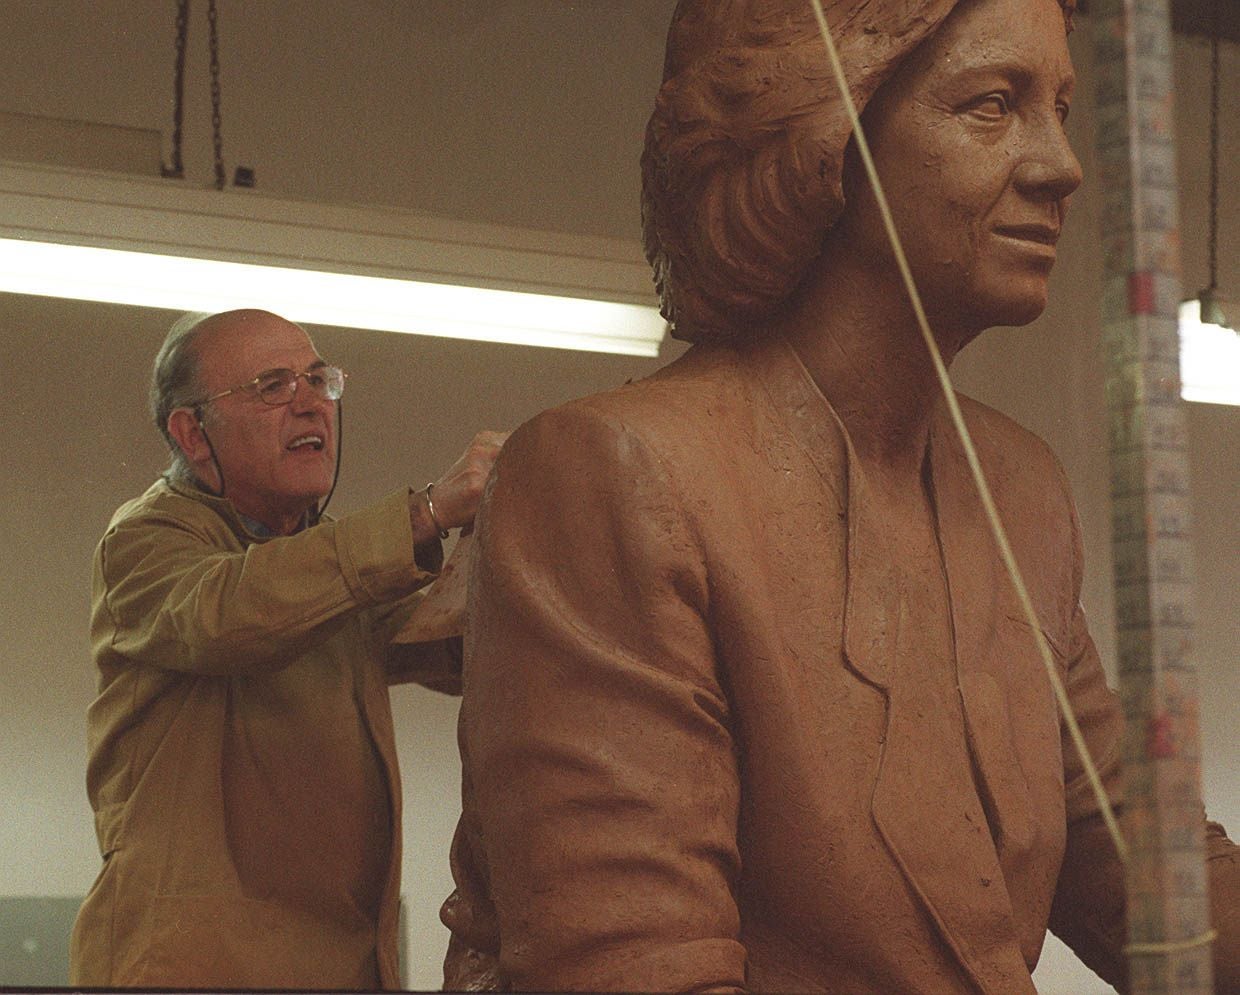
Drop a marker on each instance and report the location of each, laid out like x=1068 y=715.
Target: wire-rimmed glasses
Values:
x=276 y=387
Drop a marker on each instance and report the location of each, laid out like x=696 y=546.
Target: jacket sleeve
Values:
x=435 y=664
x=1089 y=910
x=168 y=596
x=1223 y=871
x=599 y=759
x=422 y=633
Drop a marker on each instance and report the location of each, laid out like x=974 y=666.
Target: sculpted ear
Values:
x=186 y=431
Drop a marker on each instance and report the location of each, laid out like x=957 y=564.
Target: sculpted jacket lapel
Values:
x=987 y=633
x=950 y=862
x=927 y=804
x=1011 y=717
x=872 y=605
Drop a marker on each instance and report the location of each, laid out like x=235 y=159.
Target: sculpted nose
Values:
x=1050 y=169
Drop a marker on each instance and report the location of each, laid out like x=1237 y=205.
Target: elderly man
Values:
x=242 y=764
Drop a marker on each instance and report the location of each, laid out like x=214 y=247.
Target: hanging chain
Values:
x=1214 y=77
x=177 y=169
x=216 y=130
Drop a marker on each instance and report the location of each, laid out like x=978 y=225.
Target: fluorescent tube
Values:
x=336 y=299
x=152 y=242
x=1209 y=358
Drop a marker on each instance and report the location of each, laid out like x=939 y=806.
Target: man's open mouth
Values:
x=314 y=442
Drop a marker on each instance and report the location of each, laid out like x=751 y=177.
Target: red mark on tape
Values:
x=1160 y=738
x=1141 y=293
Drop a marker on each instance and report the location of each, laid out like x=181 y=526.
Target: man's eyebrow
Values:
x=318 y=364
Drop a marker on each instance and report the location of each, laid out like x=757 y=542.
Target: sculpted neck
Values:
x=858 y=338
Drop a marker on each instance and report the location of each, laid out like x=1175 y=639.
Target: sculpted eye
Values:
x=1062 y=108
x=991 y=107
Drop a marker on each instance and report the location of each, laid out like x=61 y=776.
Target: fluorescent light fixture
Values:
x=156 y=243
x=1209 y=358
x=323 y=298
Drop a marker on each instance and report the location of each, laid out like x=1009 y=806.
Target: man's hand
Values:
x=456 y=494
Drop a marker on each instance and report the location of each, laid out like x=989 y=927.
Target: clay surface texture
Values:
x=749 y=701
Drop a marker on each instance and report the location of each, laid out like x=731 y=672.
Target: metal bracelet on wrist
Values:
x=443 y=533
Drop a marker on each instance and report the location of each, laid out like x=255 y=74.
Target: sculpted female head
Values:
x=743 y=164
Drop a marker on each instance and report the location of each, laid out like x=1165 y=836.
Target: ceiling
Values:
x=1195 y=17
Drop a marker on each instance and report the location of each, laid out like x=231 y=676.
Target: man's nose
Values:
x=305 y=397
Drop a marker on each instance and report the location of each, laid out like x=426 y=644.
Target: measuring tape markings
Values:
x=1168 y=922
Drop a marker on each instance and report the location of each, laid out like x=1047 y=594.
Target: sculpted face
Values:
x=741 y=172
x=969 y=142
x=278 y=462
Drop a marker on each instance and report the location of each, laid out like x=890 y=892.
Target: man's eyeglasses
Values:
x=276 y=387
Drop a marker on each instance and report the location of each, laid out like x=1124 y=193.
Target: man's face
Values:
x=969 y=143
x=278 y=461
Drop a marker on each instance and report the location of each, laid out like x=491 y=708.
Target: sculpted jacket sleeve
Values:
x=168 y=595
x=595 y=733
x=1089 y=909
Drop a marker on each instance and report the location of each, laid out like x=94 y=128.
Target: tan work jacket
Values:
x=242 y=762
x=704 y=750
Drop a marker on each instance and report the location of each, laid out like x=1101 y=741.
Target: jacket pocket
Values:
x=210 y=942
x=226 y=941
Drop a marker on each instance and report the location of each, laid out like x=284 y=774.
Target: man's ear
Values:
x=186 y=431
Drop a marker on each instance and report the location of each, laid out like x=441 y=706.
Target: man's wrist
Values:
x=430 y=507
x=427 y=546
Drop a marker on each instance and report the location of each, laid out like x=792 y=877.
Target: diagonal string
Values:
x=983 y=489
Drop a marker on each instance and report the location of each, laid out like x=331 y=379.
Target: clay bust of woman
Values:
x=748 y=700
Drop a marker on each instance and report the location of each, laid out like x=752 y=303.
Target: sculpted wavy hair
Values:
x=742 y=168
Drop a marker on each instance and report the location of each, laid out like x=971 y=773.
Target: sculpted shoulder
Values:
x=1020 y=467
x=1001 y=437
x=675 y=413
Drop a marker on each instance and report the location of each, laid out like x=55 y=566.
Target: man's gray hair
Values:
x=175 y=384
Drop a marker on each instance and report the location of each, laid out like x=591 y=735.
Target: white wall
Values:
x=527 y=112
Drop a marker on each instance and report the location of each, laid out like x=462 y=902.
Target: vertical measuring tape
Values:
x=1168 y=901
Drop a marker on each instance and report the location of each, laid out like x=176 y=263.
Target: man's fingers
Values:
x=458 y=491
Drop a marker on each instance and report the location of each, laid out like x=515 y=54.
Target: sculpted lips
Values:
x=1043 y=234
x=1033 y=243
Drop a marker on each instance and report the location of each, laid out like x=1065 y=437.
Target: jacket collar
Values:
x=245 y=528
x=978 y=925
x=872 y=611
